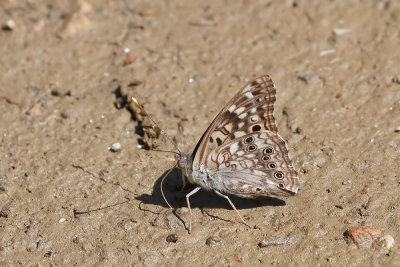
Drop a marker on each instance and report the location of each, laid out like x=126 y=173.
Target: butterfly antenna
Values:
x=155 y=123
x=166 y=151
x=162 y=192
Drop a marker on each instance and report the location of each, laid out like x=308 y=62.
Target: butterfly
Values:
x=241 y=152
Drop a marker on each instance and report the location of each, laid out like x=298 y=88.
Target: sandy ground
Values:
x=65 y=199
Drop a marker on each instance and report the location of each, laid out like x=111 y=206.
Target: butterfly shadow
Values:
x=172 y=188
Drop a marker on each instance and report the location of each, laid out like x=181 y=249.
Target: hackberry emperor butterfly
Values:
x=241 y=152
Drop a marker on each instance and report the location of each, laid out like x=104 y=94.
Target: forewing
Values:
x=250 y=110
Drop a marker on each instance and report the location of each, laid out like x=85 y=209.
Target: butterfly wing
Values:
x=254 y=165
x=226 y=153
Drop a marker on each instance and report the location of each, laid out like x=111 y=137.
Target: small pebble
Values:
x=327 y=52
x=115 y=147
x=307 y=78
x=363 y=236
x=212 y=241
x=397 y=130
x=62 y=220
x=348 y=221
x=191 y=80
x=276 y=241
x=172 y=238
x=9 y=25
x=396 y=79
x=127 y=50
x=387 y=241
x=339 y=31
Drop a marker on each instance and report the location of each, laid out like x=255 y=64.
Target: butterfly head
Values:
x=183 y=160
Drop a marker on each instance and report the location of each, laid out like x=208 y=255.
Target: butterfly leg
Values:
x=188 y=205
x=233 y=206
x=183 y=181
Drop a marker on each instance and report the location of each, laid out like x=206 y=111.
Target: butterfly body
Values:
x=201 y=176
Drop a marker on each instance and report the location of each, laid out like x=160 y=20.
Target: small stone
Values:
x=212 y=241
x=396 y=79
x=172 y=238
x=9 y=25
x=329 y=190
x=55 y=92
x=339 y=31
x=276 y=241
x=365 y=190
x=362 y=236
x=307 y=78
x=327 y=52
x=387 y=241
x=397 y=130
x=348 y=221
x=48 y=254
x=62 y=220
x=115 y=147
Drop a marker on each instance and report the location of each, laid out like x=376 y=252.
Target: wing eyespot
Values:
x=281 y=185
x=256 y=128
x=249 y=140
x=265 y=158
x=259 y=99
x=271 y=165
x=268 y=150
x=251 y=148
x=278 y=175
x=219 y=141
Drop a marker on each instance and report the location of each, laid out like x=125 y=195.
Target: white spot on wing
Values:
x=253 y=110
x=228 y=127
x=259 y=173
x=249 y=163
x=249 y=95
x=240 y=153
x=263 y=136
x=242 y=116
x=239 y=134
x=239 y=110
x=240 y=125
x=231 y=108
x=255 y=118
x=233 y=148
x=220 y=159
x=247 y=88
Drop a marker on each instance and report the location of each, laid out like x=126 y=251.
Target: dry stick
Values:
x=155 y=123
